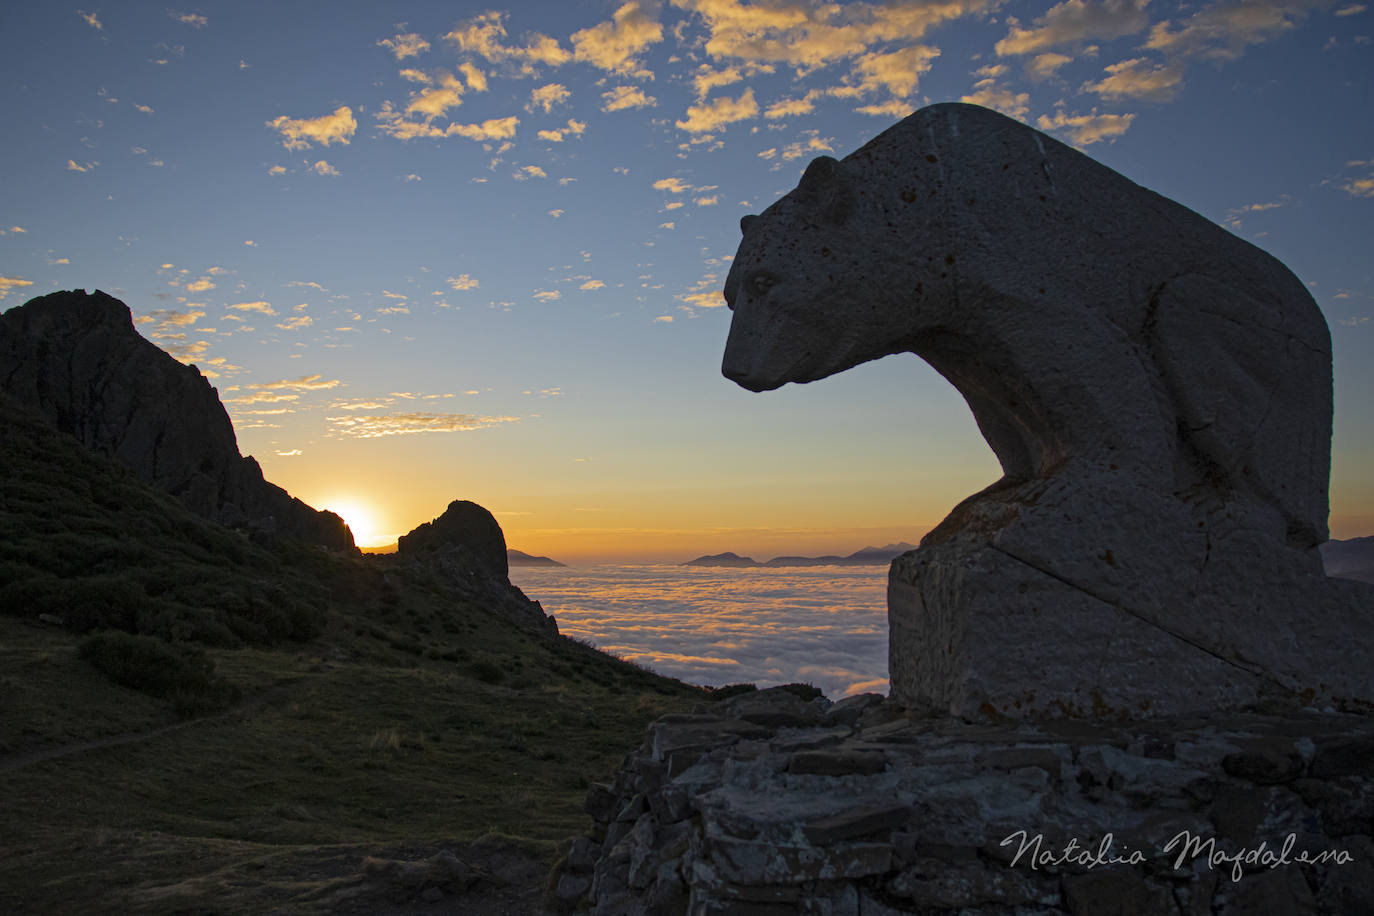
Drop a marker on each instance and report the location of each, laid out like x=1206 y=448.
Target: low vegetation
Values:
x=196 y=721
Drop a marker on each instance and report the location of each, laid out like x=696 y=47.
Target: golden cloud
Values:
x=485 y=35
x=407 y=45
x=718 y=113
x=546 y=97
x=299 y=133
x=316 y=382
x=808 y=35
x=1075 y=21
x=623 y=97
x=1137 y=78
x=463 y=282
x=404 y=424
x=477 y=80
x=12 y=283
x=1084 y=130
x=987 y=93
x=258 y=306
x=614 y=46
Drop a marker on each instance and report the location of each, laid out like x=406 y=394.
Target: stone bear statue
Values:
x=1157 y=391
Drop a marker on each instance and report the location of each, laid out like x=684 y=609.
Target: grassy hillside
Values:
x=293 y=728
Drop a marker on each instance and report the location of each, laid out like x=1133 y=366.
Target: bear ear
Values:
x=745 y=222
x=826 y=182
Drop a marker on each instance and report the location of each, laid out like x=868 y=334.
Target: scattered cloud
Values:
x=485 y=35
x=259 y=306
x=194 y=20
x=708 y=201
x=405 y=45
x=574 y=127
x=807 y=36
x=1359 y=186
x=262 y=397
x=667 y=319
x=316 y=382
x=896 y=72
x=556 y=213
x=592 y=284
x=614 y=46
x=811 y=142
x=892 y=108
x=1224 y=29
x=724 y=110
x=1139 y=78
x=1074 y=22
x=200 y=286
x=295 y=324
x=7 y=284
x=146 y=109
x=404 y=424
x=277 y=170
x=623 y=97
x=321 y=167
x=73 y=167
x=291 y=454
x=530 y=171
x=548 y=295
x=1352 y=9
x=1043 y=66
x=463 y=282
x=546 y=97
x=787 y=108
x=988 y=93
x=475 y=77
x=1085 y=130
x=672 y=185
x=707 y=79
x=393 y=310
x=300 y=133
x=92 y=20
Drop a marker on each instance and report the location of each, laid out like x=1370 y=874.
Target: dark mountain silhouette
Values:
x=868 y=556
x=723 y=559
x=520 y=558
x=76 y=360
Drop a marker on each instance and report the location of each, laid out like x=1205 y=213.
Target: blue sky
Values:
x=438 y=251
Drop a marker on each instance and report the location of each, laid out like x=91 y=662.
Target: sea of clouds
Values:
x=822 y=625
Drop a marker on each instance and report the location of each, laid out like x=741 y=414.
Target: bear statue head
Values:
x=806 y=298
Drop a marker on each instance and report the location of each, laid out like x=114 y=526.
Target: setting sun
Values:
x=361 y=520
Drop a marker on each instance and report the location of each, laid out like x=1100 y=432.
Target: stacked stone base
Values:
x=771 y=805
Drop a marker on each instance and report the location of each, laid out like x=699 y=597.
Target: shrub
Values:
x=182 y=675
x=730 y=690
x=804 y=692
x=487 y=671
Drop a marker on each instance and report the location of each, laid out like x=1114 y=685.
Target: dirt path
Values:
x=11 y=762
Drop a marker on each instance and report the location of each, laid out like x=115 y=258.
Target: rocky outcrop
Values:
x=1157 y=391
x=465 y=529
x=768 y=804
x=466 y=549
x=77 y=361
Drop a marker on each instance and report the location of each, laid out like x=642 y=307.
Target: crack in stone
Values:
x=1248 y=668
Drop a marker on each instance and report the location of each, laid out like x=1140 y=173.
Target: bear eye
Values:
x=761 y=282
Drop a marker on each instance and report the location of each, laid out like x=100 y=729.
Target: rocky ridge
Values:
x=770 y=804
x=466 y=550
x=76 y=360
